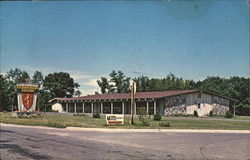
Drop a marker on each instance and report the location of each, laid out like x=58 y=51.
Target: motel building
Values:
x=180 y=102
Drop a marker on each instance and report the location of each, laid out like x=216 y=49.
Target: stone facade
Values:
x=220 y=105
x=219 y=109
x=175 y=105
x=203 y=104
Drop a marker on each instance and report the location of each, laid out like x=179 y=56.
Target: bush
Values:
x=210 y=113
x=164 y=124
x=228 y=115
x=141 y=111
x=157 y=117
x=195 y=113
x=78 y=114
x=143 y=124
x=96 y=115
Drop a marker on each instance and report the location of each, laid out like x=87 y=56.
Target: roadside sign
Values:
x=115 y=118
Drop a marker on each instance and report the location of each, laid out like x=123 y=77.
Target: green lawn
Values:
x=62 y=121
x=242 y=117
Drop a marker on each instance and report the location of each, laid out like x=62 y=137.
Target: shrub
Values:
x=195 y=113
x=157 y=117
x=143 y=124
x=164 y=124
x=78 y=114
x=211 y=113
x=141 y=114
x=228 y=115
x=96 y=115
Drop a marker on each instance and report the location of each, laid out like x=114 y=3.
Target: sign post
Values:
x=133 y=91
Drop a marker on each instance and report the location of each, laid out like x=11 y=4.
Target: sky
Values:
x=89 y=39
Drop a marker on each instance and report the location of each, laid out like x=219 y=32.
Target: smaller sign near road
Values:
x=115 y=118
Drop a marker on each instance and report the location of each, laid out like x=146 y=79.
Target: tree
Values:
x=5 y=98
x=118 y=83
x=17 y=76
x=77 y=92
x=14 y=77
x=142 y=83
x=38 y=78
x=59 y=85
x=103 y=84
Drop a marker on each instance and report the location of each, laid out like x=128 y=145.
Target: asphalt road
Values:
x=18 y=142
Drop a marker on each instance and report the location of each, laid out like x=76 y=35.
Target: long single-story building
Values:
x=179 y=102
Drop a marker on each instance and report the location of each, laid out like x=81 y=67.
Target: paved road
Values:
x=19 y=142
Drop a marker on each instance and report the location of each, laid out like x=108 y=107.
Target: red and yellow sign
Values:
x=27 y=99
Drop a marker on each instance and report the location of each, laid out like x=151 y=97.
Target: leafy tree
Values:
x=5 y=92
x=13 y=77
x=103 y=84
x=121 y=82
x=17 y=76
x=59 y=85
x=142 y=83
x=38 y=78
x=77 y=92
x=118 y=83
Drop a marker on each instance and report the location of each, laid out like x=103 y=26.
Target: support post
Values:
x=133 y=91
x=83 y=107
x=92 y=107
x=154 y=107
x=122 y=107
x=75 y=107
x=112 y=107
x=147 y=108
x=67 y=107
x=101 y=107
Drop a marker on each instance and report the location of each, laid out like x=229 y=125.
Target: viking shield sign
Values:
x=27 y=99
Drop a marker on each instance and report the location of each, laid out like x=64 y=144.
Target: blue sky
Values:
x=192 y=39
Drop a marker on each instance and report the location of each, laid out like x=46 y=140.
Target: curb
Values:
x=115 y=130
x=157 y=130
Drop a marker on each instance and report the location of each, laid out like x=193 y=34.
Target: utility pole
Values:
x=133 y=91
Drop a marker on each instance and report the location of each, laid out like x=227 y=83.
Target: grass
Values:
x=62 y=121
x=242 y=117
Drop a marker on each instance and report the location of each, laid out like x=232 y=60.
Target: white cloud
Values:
x=91 y=82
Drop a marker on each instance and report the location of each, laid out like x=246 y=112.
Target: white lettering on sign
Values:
x=115 y=118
